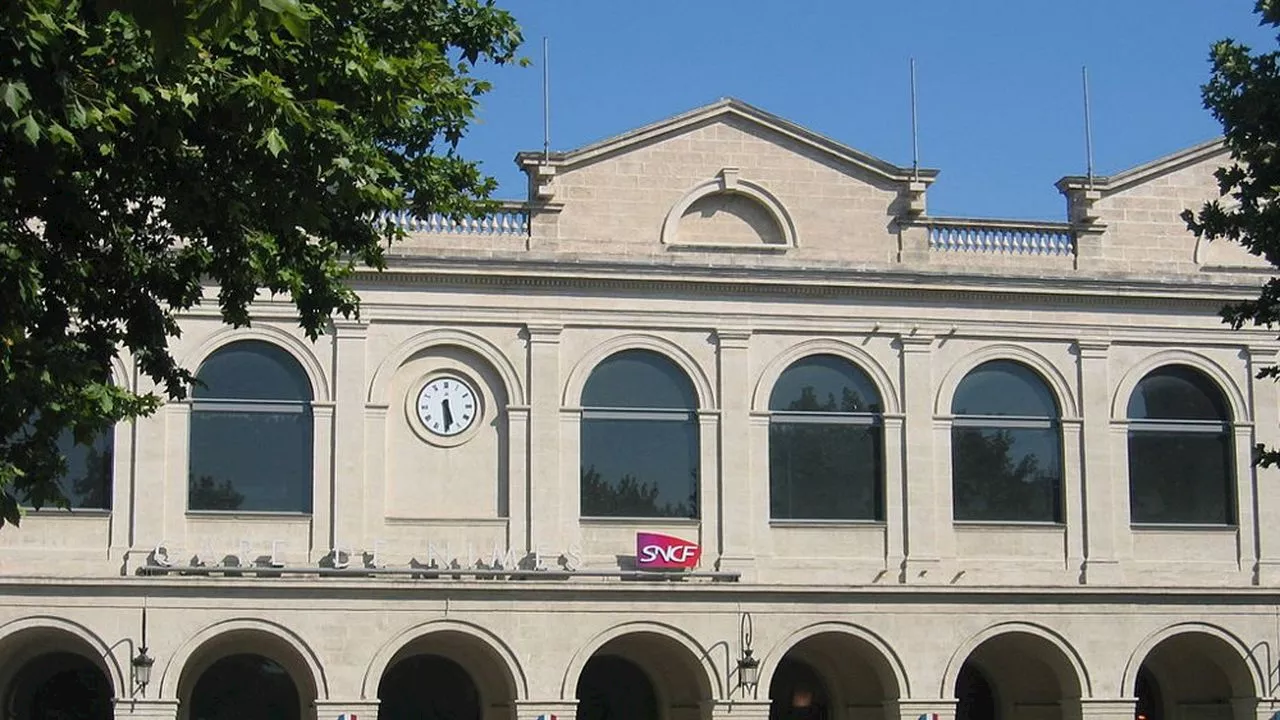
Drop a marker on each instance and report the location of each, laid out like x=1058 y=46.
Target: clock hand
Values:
x=448 y=416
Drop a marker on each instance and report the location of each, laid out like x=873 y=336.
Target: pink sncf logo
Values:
x=663 y=552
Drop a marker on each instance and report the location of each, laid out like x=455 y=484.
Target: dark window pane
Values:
x=820 y=471
x=1004 y=387
x=258 y=461
x=87 y=483
x=1180 y=477
x=1006 y=474
x=639 y=468
x=1177 y=392
x=252 y=370
x=638 y=379
x=825 y=383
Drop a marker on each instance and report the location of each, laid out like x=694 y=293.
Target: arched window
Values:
x=825 y=443
x=251 y=432
x=1180 y=468
x=1006 y=446
x=87 y=481
x=639 y=439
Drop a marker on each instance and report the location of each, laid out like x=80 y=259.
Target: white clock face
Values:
x=447 y=406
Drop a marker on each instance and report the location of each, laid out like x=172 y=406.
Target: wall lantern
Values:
x=142 y=662
x=748 y=667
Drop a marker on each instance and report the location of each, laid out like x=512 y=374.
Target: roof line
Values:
x=732 y=106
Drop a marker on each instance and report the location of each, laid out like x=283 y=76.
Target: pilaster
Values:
x=1101 y=486
x=927 y=496
x=944 y=709
x=1108 y=709
x=362 y=709
x=1264 y=398
x=346 y=503
x=739 y=487
x=534 y=709
x=547 y=517
x=739 y=709
x=146 y=709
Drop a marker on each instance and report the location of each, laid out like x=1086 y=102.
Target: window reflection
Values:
x=1006 y=446
x=251 y=432
x=1180 y=465
x=87 y=481
x=639 y=450
x=825 y=443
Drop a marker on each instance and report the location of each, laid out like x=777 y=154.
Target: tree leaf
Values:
x=274 y=142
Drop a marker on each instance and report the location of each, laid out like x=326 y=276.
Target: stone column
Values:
x=740 y=489
x=895 y=511
x=1264 y=398
x=534 y=709
x=926 y=489
x=548 y=518
x=361 y=709
x=518 y=478
x=346 y=504
x=913 y=709
x=710 y=488
x=1104 y=490
x=1107 y=709
x=146 y=709
x=739 y=709
x=323 y=484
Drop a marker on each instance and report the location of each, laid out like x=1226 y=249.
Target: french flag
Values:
x=348 y=716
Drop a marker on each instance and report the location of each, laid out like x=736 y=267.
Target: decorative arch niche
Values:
x=728 y=212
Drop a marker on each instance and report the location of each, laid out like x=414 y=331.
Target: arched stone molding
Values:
x=387 y=653
x=700 y=656
x=1231 y=390
x=273 y=633
x=826 y=346
x=300 y=351
x=79 y=635
x=1045 y=368
x=1239 y=649
x=966 y=649
x=120 y=373
x=702 y=385
x=380 y=385
x=729 y=182
x=770 y=662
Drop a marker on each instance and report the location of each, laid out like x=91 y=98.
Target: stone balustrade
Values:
x=509 y=219
x=963 y=235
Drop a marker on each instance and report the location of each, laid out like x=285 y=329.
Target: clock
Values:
x=447 y=406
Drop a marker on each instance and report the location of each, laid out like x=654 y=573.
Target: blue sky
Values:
x=999 y=87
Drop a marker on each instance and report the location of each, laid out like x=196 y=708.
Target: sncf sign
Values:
x=663 y=552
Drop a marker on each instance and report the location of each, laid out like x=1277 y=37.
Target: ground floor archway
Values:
x=1017 y=675
x=446 y=675
x=47 y=673
x=1194 y=676
x=246 y=675
x=643 y=676
x=833 y=675
x=59 y=686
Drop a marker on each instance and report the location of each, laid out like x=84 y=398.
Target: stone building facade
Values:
x=977 y=468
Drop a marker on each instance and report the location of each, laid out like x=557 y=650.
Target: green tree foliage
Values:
x=253 y=152
x=1243 y=93
x=630 y=497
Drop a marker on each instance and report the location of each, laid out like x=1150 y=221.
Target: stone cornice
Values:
x=372 y=590
x=1181 y=292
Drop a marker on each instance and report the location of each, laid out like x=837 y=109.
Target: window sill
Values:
x=1009 y=525
x=248 y=515
x=66 y=512
x=632 y=521
x=824 y=523
x=1183 y=527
